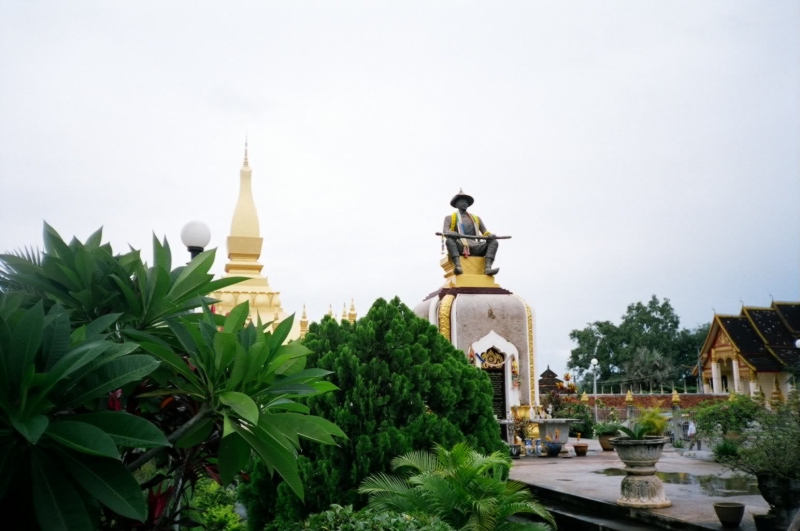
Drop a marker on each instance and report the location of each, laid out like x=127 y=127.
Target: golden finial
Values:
x=303 y=323
x=584 y=398
x=676 y=399
x=352 y=315
x=629 y=397
x=330 y=310
x=246 y=163
x=344 y=311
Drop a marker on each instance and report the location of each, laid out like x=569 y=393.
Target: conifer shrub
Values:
x=403 y=387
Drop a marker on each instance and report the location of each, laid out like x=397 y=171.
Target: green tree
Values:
x=653 y=327
x=461 y=486
x=403 y=387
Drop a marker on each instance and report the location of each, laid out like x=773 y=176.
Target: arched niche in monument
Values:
x=500 y=359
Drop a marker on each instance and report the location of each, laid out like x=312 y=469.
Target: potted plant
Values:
x=770 y=451
x=580 y=448
x=640 y=449
x=553 y=447
x=604 y=432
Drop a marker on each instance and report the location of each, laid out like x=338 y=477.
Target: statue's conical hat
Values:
x=461 y=195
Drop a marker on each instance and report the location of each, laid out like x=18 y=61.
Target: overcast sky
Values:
x=630 y=148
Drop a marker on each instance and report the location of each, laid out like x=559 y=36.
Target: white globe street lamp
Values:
x=195 y=235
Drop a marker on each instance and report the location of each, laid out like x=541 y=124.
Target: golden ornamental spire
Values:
x=344 y=312
x=303 y=323
x=352 y=315
x=330 y=310
x=246 y=164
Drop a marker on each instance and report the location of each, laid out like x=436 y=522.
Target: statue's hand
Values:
x=491 y=237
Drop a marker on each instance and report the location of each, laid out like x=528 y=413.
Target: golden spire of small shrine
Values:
x=303 y=323
x=352 y=315
x=246 y=163
x=344 y=311
x=676 y=399
x=330 y=310
x=584 y=398
x=629 y=397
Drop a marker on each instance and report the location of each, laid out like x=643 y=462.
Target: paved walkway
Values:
x=692 y=502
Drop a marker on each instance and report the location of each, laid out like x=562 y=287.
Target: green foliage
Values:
x=678 y=443
x=725 y=449
x=462 y=487
x=67 y=464
x=721 y=418
x=339 y=518
x=403 y=387
x=90 y=282
x=572 y=409
x=215 y=507
x=647 y=347
x=650 y=424
x=770 y=444
x=246 y=380
x=606 y=428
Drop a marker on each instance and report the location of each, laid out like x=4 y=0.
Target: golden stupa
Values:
x=244 y=250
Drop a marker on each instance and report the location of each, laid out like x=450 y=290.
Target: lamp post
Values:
x=594 y=370
x=195 y=235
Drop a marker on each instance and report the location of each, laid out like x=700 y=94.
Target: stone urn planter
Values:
x=605 y=442
x=783 y=495
x=764 y=522
x=580 y=449
x=641 y=487
x=729 y=513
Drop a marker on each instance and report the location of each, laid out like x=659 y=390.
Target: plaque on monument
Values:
x=498 y=392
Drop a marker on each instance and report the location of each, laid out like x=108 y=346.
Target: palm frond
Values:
x=418 y=460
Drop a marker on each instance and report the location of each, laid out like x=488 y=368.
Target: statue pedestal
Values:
x=473 y=275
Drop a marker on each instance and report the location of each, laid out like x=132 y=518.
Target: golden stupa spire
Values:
x=344 y=311
x=330 y=310
x=303 y=323
x=246 y=163
x=352 y=315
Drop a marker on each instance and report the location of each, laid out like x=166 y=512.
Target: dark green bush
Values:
x=339 y=518
x=403 y=387
x=725 y=449
x=723 y=417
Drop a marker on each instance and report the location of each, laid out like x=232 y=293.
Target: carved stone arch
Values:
x=495 y=341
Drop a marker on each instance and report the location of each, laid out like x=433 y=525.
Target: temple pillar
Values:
x=736 y=375
x=716 y=380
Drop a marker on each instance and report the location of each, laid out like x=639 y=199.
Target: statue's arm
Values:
x=446 y=226
x=482 y=228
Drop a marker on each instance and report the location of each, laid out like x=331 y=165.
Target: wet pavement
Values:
x=691 y=484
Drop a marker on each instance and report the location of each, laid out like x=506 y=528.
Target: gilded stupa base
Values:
x=473 y=275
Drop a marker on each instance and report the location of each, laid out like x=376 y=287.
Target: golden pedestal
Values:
x=473 y=275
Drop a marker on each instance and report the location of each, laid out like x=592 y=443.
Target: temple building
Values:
x=244 y=250
x=491 y=325
x=548 y=381
x=750 y=352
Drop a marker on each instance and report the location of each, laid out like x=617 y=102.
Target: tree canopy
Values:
x=647 y=347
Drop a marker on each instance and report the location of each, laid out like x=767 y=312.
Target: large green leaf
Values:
x=275 y=457
x=224 y=349
x=281 y=333
x=55 y=339
x=196 y=434
x=32 y=428
x=174 y=362
x=58 y=505
x=125 y=429
x=193 y=276
x=234 y=454
x=111 y=376
x=109 y=482
x=83 y=437
x=241 y=363
x=101 y=324
x=236 y=318
x=242 y=404
x=25 y=342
